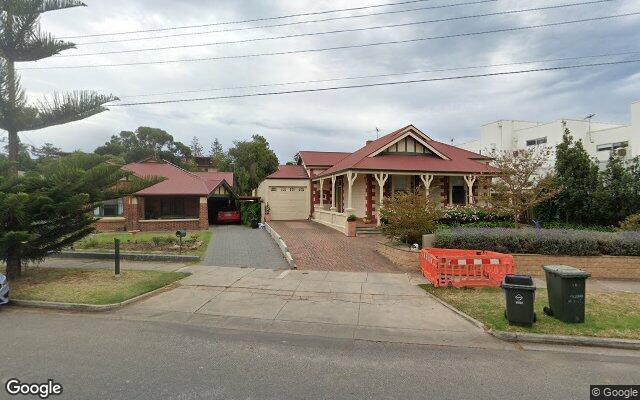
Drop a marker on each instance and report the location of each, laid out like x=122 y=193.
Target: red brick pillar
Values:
x=370 y=193
x=444 y=196
x=136 y=213
x=203 y=224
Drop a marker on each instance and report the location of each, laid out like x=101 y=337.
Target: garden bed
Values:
x=87 y=286
x=614 y=315
x=147 y=242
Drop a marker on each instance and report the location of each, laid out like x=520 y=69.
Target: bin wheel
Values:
x=535 y=318
x=548 y=311
x=505 y=314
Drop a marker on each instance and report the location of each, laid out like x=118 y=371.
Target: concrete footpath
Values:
x=348 y=305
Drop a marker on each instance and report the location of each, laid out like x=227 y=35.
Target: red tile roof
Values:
x=177 y=180
x=289 y=172
x=458 y=160
x=217 y=176
x=321 y=158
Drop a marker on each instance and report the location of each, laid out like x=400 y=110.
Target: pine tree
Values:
x=219 y=158
x=577 y=178
x=52 y=207
x=22 y=40
x=196 y=147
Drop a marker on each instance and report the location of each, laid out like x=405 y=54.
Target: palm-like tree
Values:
x=22 y=40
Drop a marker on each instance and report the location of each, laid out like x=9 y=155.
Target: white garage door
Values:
x=288 y=202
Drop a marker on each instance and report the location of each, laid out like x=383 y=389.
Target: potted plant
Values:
x=351 y=225
x=267 y=213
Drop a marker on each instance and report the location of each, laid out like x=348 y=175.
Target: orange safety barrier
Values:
x=465 y=268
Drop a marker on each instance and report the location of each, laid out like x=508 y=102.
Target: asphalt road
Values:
x=94 y=357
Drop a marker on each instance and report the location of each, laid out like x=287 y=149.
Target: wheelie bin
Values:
x=566 y=289
x=520 y=295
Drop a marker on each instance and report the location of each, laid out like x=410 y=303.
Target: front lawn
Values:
x=195 y=243
x=87 y=286
x=614 y=315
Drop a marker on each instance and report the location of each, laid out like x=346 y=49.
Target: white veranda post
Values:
x=470 y=180
x=321 y=193
x=427 y=179
x=333 y=193
x=351 y=177
x=381 y=178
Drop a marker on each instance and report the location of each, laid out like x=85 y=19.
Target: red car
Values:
x=228 y=217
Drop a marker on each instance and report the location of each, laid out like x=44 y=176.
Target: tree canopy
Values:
x=145 y=142
x=252 y=161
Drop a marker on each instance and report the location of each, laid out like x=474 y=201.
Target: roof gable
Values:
x=411 y=141
x=445 y=158
x=321 y=158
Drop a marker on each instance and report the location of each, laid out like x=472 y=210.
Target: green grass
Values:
x=85 y=286
x=143 y=242
x=614 y=315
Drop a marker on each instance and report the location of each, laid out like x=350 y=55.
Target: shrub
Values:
x=408 y=216
x=541 y=241
x=463 y=215
x=162 y=240
x=568 y=225
x=352 y=218
x=631 y=223
x=249 y=211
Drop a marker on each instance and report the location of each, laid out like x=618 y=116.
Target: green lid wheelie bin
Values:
x=519 y=294
x=566 y=289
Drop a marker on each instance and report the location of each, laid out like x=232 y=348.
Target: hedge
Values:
x=541 y=241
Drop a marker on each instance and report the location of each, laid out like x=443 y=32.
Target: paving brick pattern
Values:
x=239 y=246
x=317 y=247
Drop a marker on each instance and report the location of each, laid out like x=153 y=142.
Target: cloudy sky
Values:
x=337 y=120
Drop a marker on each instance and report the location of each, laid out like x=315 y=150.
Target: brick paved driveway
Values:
x=317 y=247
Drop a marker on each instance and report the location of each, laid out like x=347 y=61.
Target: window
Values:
x=612 y=146
x=538 y=141
x=400 y=183
x=110 y=208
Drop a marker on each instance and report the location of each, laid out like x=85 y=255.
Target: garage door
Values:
x=288 y=202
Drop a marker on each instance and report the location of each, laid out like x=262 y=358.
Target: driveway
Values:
x=239 y=246
x=317 y=247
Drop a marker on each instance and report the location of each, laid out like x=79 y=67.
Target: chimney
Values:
x=369 y=141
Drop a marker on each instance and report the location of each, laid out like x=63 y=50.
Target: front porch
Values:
x=362 y=193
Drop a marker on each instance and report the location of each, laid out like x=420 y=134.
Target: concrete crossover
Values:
x=355 y=305
x=239 y=246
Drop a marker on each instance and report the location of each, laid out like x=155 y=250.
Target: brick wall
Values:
x=602 y=267
x=204 y=213
x=170 y=225
x=111 y=225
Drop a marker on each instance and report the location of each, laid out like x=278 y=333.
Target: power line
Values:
x=289 y=23
x=289 y=52
x=297 y=35
x=237 y=96
x=381 y=75
x=250 y=20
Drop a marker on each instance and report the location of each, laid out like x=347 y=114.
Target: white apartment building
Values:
x=599 y=139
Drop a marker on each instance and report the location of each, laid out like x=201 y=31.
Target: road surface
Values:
x=95 y=357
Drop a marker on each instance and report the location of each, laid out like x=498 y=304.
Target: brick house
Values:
x=329 y=186
x=183 y=200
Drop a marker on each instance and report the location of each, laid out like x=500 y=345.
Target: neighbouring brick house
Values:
x=183 y=200
x=329 y=186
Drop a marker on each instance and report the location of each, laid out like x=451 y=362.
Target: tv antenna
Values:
x=588 y=118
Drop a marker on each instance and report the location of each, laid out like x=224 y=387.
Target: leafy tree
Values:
x=49 y=209
x=22 y=40
x=252 y=161
x=616 y=194
x=408 y=216
x=46 y=151
x=146 y=142
x=219 y=158
x=520 y=186
x=196 y=147
x=577 y=176
x=634 y=170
